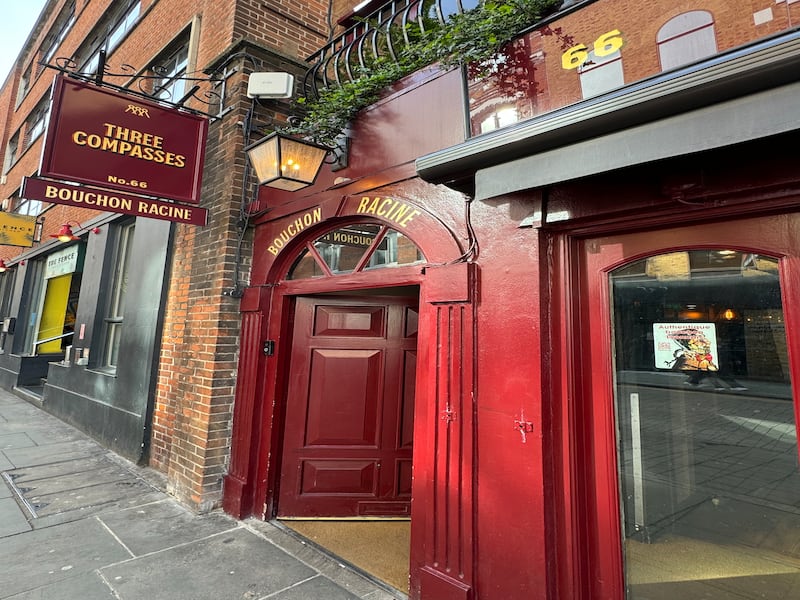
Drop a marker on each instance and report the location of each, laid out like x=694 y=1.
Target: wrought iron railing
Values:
x=207 y=89
x=382 y=34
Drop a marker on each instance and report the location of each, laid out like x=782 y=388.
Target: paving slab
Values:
x=5 y=489
x=15 y=440
x=20 y=413
x=46 y=556
x=54 y=434
x=235 y=564
x=316 y=587
x=85 y=586
x=23 y=475
x=84 y=512
x=92 y=499
x=51 y=453
x=106 y=474
x=148 y=528
x=12 y=518
x=326 y=564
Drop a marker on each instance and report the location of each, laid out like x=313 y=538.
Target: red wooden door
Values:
x=674 y=459
x=349 y=413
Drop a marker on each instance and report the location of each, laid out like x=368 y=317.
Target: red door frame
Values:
x=587 y=529
x=442 y=522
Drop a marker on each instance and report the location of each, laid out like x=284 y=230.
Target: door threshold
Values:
x=378 y=552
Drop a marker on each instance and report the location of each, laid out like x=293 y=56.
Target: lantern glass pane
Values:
x=264 y=159
x=300 y=161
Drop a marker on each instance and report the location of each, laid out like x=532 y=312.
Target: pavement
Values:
x=79 y=522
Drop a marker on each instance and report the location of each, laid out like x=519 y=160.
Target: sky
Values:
x=16 y=20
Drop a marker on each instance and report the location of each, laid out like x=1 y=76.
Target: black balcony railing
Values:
x=384 y=34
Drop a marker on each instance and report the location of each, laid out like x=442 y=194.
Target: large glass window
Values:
x=119 y=287
x=706 y=428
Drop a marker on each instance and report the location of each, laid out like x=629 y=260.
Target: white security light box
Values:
x=270 y=85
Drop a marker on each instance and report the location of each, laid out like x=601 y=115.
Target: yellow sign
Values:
x=16 y=230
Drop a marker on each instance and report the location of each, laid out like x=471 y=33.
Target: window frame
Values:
x=114 y=310
x=58 y=32
x=107 y=36
x=169 y=69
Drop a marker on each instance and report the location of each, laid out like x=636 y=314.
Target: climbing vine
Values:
x=473 y=37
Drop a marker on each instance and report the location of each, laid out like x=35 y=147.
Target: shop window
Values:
x=113 y=320
x=52 y=289
x=706 y=427
x=7 y=279
x=35 y=285
x=58 y=310
x=355 y=248
x=686 y=38
x=169 y=70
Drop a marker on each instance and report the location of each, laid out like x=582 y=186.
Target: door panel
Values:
x=347 y=445
x=692 y=413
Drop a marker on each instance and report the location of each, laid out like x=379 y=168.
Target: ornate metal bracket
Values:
x=210 y=90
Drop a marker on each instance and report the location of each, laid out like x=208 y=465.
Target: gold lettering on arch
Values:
x=302 y=222
x=396 y=211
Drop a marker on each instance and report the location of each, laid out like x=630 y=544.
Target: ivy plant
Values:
x=472 y=37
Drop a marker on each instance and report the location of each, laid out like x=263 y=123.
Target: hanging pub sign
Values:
x=57 y=192
x=113 y=140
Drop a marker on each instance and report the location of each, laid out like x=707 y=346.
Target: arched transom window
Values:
x=355 y=248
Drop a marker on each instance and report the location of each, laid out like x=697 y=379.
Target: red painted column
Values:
x=237 y=498
x=443 y=508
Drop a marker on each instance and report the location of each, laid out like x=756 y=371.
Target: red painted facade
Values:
x=515 y=484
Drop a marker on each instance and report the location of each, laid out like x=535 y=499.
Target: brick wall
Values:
x=191 y=428
x=294 y=29
x=191 y=425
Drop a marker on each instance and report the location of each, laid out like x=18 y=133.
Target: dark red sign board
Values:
x=114 y=140
x=106 y=200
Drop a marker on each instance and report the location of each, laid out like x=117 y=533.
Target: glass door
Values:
x=706 y=442
x=694 y=439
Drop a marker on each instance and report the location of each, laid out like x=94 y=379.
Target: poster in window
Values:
x=685 y=346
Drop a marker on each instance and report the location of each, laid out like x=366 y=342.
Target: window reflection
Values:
x=354 y=248
x=605 y=46
x=707 y=447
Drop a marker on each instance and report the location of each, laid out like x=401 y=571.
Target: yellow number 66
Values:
x=605 y=45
